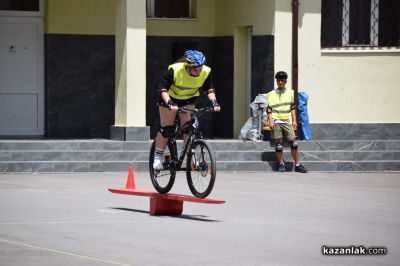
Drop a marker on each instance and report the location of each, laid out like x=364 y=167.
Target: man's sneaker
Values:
x=281 y=168
x=158 y=164
x=300 y=168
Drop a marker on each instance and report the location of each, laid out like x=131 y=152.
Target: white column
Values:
x=240 y=104
x=130 y=71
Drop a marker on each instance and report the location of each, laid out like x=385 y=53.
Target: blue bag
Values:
x=305 y=129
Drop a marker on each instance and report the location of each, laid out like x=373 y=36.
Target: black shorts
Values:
x=178 y=102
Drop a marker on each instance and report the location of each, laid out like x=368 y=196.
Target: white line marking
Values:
x=61 y=252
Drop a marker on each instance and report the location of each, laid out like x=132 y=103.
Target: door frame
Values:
x=242 y=76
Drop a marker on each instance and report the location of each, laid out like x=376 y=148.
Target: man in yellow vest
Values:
x=180 y=87
x=282 y=121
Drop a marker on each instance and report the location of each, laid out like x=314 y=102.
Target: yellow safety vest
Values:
x=281 y=104
x=185 y=86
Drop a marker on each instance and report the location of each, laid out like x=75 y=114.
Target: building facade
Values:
x=90 y=69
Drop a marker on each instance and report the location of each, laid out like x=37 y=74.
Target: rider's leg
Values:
x=167 y=118
x=185 y=117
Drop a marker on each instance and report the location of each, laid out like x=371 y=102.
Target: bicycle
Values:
x=200 y=159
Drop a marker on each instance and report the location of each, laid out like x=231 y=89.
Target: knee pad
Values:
x=293 y=144
x=167 y=131
x=278 y=147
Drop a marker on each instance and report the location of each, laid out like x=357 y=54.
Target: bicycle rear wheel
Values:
x=163 y=180
x=201 y=169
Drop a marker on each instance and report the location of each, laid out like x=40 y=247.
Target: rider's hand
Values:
x=171 y=106
x=217 y=108
x=215 y=105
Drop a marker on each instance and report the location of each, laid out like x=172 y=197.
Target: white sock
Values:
x=158 y=153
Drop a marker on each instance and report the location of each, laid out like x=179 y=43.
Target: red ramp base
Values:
x=164 y=204
x=160 y=206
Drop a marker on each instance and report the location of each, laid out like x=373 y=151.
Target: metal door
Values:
x=21 y=76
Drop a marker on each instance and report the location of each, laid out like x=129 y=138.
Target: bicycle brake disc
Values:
x=204 y=169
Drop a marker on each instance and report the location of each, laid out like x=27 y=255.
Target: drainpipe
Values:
x=295 y=63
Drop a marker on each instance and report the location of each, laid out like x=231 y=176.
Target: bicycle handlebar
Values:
x=196 y=110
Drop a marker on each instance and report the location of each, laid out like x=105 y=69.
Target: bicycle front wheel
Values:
x=201 y=169
x=163 y=180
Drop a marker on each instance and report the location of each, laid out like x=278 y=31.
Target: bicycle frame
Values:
x=200 y=165
x=192 y=128
x=181 y=129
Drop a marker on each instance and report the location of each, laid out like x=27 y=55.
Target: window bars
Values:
x=360 y=23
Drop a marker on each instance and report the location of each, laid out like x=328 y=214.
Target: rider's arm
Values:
x=208 y=86
x=211 y=96
x=164 y=86
x=213 y=99
x=166 y=98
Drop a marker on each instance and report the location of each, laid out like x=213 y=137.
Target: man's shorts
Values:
x=283 y=131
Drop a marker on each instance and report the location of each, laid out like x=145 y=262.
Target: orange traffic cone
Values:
x=130 y=182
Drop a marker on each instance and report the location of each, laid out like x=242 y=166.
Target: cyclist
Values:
x=180 y=87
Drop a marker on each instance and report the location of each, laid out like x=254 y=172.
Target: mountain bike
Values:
x=200 y=159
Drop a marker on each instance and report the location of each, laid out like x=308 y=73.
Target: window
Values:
x=19 y=5
x=360 y=23
x=170 y=8
x=25 y=8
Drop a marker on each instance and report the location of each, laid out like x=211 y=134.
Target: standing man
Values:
x=282 y=121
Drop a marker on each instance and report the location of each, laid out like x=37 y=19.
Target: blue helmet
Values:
x=194 y=58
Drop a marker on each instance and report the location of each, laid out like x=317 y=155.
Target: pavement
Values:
x=268 y=219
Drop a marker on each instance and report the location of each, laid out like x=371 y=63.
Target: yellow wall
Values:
x=344 y=86
x=80 y=17
x=218 y=18
x=214 y=18
x=202 y=25
x=283 y=38
x=233 y=13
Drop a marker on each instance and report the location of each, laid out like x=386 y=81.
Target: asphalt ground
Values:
x=268 y=219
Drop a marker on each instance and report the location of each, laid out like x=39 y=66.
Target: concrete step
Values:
x=85 y=145
x=74 y=145
x=67 y=155
x=122 y=166
x=232 y=155
x=228 y=155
